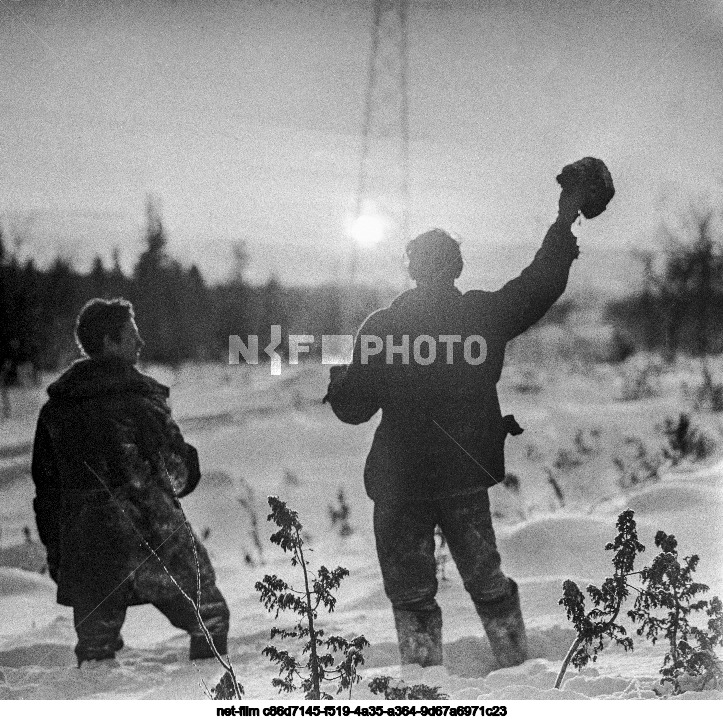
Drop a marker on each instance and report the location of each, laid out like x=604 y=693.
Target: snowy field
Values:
x=271 y=435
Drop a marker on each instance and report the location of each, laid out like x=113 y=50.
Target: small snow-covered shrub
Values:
x=398 y=691
x=566 y=460
x=637 y=464
x=668 y=587
x=533 y=453
x=641 y=379
x=317 y=591
x=708 y=396
x=587 y=443
x=247 y=500
x=339 y=515
x=529 y=383
x=620 y=347
x=685 y=441
x=555 y=487
x=662 y=608
x=291 y=479
x=600 y=622
x=511 y=482
x=224 y=690
x=512 y=501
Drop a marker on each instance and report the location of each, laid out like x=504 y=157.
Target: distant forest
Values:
x=181 y=317
x=678 y=306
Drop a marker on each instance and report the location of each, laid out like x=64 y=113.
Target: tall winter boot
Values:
x=420 y=636
x=200 y=648
x=502 y=621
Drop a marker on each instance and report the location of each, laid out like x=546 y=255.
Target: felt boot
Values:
x=420 y=636
x=505 y=628
x=200 y=648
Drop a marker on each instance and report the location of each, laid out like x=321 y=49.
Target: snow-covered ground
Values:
x=272 y=435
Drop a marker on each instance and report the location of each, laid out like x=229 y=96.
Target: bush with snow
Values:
x=318 y=590
x=663 y=609
x=594 y=626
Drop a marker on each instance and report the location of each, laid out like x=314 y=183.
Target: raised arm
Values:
x=525 y=299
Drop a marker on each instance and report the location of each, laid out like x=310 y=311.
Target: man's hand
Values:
x=335 y=373
x=587 y=188
x=571 y=200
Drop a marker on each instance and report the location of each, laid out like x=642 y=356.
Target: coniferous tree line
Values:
x=679 y=308
x=181 y=317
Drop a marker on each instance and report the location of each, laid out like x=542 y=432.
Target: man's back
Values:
x=108 y=462
x=98 y=412
x=109 y=465
x=442 y=430
x=455 y=349
x=431 y=362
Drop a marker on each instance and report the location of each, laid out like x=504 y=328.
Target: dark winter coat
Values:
x=442 y=431
x=109 y=464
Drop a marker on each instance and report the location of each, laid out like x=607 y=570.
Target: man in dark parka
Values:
x=440 y=443
x=109 y=464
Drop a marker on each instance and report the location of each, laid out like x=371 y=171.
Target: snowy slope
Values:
x=272 y=436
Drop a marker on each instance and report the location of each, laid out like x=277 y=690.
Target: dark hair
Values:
x=434 y=256
x=100 y=318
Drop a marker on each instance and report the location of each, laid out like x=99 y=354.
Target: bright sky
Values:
x=244 y=118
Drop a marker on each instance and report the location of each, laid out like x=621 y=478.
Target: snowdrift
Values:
x=259 y=435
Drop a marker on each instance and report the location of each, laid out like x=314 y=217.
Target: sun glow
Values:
x=367 y=229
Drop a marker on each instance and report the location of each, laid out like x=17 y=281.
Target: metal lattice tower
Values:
x=383 y=187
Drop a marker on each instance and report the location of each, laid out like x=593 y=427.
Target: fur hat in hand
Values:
x=594 y=176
